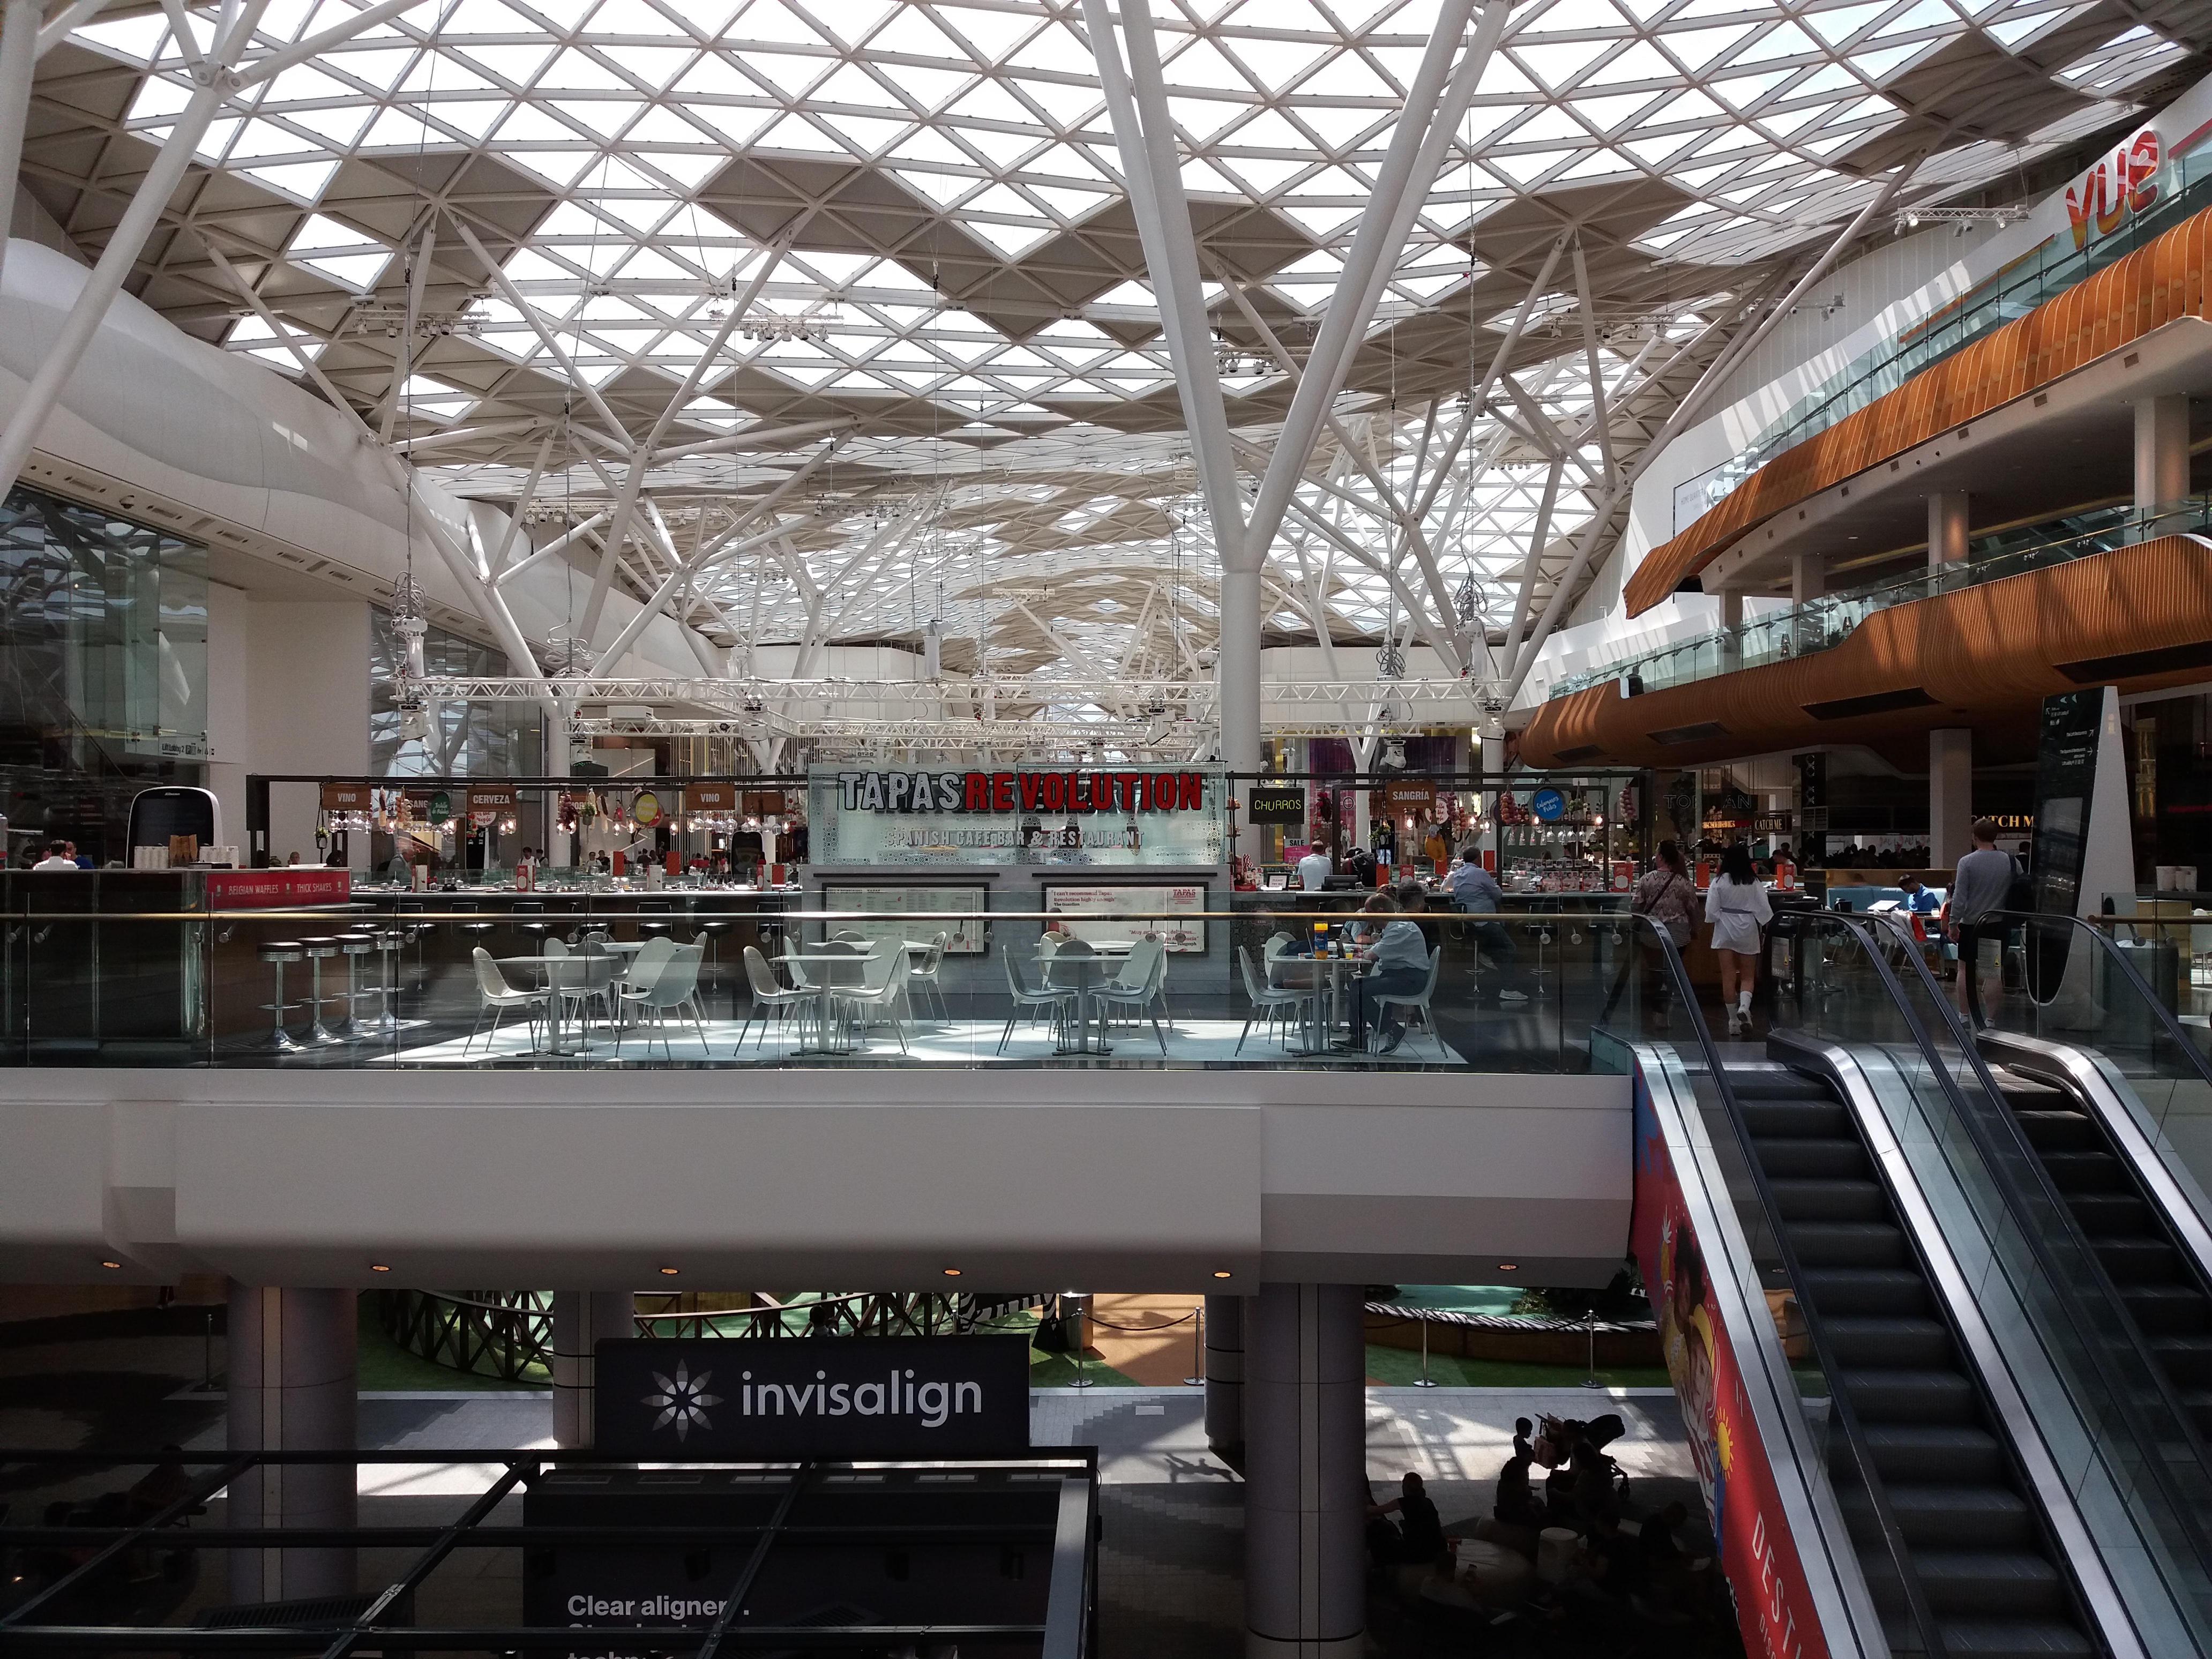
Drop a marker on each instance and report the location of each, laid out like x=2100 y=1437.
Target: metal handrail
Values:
x=1840 y=1409
x=2175 y=1030
x=2055 y=1222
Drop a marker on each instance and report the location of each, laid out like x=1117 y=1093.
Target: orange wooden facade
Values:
x=1983 y=657
x=2158 y=284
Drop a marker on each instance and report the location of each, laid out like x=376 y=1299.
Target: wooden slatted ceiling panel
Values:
x=1984 y=653
x=2158 y=284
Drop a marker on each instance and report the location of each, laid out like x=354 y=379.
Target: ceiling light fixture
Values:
x=1221 y=1272
x=111 y=1264
x=952 y=1273
x=379 y=1267
x=670 y=1272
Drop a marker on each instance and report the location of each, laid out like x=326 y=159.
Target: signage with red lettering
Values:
x=276 y=889
x=2121 y=182
x=1118 y=791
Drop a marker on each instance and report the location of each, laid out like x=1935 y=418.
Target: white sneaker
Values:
x=1735 y=1029
x=1513 y=996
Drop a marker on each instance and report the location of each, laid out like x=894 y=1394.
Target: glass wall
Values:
x=467 y=739
x=103 y=668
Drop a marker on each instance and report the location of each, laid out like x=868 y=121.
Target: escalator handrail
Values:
x=2174 y=1029
x=1841 y=1413
x=2000 y=1161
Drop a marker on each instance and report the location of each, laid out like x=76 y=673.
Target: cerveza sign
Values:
x=1023 y=792
x=779 y=1398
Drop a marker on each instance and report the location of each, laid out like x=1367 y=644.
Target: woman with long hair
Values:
x=1669 y=898
x=1736 y=906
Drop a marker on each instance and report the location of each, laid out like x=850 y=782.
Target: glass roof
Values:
x=942 y=319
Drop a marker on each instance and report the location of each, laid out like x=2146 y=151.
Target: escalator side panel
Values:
x=2087 y=1526
x=1783 y=1543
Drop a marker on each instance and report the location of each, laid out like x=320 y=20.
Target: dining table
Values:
x=545 y=965
x=1325 y=976
x=826 y=971
x=1053 y=968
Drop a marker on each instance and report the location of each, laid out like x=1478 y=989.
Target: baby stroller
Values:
x=1562 y=1442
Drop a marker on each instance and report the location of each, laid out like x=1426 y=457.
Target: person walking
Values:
x=1736 y=906
x=1669 y=898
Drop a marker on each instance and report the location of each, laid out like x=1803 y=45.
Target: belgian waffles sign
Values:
x=1023 y=792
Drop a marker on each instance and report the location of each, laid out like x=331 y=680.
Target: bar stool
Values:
x=280 y=951
x=316 y=950
x=353 y=946
x=387 y=945
x=535 y=931
x=655 y=929
x=706 y=932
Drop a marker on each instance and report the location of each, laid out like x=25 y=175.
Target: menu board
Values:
x=1116 y=914
x=896 y=903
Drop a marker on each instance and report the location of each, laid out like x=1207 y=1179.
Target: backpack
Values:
x=2020 y=897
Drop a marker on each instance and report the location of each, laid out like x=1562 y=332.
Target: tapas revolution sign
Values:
x=923 y=815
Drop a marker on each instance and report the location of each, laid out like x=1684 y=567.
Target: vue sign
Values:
x=2119 y=184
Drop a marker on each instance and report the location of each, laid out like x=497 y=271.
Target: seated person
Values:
x=1419 y=1537
x=1413 y=902
x=1920 y=900
x=1521 y=1445
x=1517 y=1504
x=1399 y=960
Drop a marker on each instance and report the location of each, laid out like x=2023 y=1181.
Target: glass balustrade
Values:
x=574 y=979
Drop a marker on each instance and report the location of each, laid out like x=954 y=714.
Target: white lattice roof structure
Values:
x=840 y=313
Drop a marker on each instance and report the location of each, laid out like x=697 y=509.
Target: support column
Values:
x=1305 y=1474
x=1809 y=581
x=1224 y=1378
x=293 y=1387
x=1950 y=795
x=2162 y=450
x=581 y=1320
x=1238 y=665
x=1946 y=527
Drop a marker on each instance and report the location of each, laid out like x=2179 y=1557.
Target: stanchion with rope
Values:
x=1424 y=1381
x=1590 y=1326
x=1197 y=1379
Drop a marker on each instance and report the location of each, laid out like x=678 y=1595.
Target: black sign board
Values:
x=780 y=1398
x=2065 y=782
x=1276 y=806
x=1811 y=779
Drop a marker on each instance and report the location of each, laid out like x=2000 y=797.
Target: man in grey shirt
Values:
x=1979 y=885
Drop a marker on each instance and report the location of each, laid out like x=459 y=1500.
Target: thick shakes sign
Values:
x=776 y=1399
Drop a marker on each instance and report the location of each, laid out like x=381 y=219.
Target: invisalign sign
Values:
x=796 y=1397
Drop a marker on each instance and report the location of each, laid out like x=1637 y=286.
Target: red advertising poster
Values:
x=1758 y=1553
x=276 y=889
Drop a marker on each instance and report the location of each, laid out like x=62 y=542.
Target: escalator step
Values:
x=1834 y=1159
x=2112 y=1215
x=2097 y=1171
x=1989 y=1581
x=2132 y=1261
x=1887 y=1339
x=1849 y=1244
x=1984 y=1515
x=2186 y=1360
x=1777 y=1083
x=2011 y=1638
x=1841 y=1290
x=1900 y=1394
x=1828 y=1199
x=1821 y=1120
x=2060 y=1131
x=2165 y=1309
x=1935 y=1452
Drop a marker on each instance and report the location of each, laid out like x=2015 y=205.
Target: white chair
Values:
x=585 y=977
x=791 y=964
x=1026 y=997
x=1138 y=984
x=1417 y=1002
x=769 y=997
x=674 y=986
x=498 y=997
x=1277 y=943
x=883 y=985
x=645 y=967
x=922 y=975
x=1267 y=1000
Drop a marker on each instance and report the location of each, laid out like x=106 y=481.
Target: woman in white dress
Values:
x=1736 y=906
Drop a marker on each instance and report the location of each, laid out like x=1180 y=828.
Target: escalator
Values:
x=1990 y=1577
x=1977 y=1348
x=2162 y=1286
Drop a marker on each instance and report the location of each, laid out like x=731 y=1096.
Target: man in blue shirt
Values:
x=1917 y=899
x=1476 y=892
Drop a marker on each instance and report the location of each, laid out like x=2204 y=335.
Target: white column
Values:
x=1950 y=795
x=1305 y=1474
x=581 y=1319
x=1946 y=527
x=2161 y=450
x=1225 y=1376
x=1238 y=666
x=292 y=1386
x=1809 y=581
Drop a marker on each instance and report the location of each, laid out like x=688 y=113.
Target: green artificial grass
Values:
x=1056 y=1371
x=1401 y=1367
x=387 y=1368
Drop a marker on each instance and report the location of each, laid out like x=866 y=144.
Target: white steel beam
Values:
x=19 y=57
